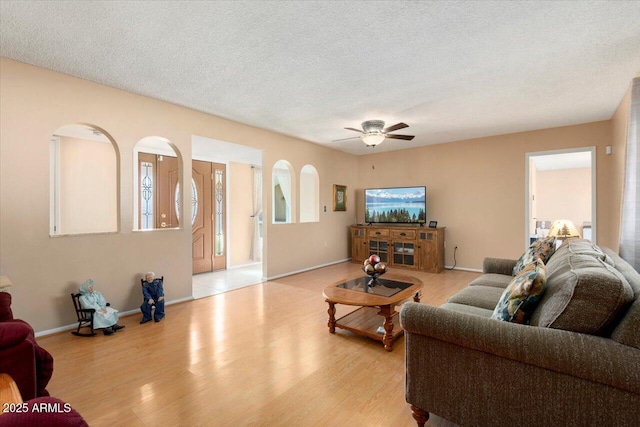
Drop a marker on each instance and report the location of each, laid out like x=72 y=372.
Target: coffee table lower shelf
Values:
x=365 y=321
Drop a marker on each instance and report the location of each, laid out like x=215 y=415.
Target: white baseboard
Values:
x=56 y=330
x=244 y=265
x=306 y=269
x=475 y=270
x=121 y=314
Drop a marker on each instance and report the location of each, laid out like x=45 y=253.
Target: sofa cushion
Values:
x=627 y=330
x=627 y=271
x=541 y=248
x=577 y=245
x=469 y=309
x=478 y=296
x=584 y=294
x=520 y=298
x=500 y=281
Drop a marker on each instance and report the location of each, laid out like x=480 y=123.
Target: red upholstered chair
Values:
x=29 y=365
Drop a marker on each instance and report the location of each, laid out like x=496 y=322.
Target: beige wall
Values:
x=533 y=188
x=309 y=196
x=240 y=178
x=564 y=194
x=619 y=129
x=311 y=243
x=476 y=188
x=88 y=187
x=45 y=270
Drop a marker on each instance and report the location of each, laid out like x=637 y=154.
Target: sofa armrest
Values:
x=583 y=356
x=12 y=333
x=19 y=361
x=499 y=266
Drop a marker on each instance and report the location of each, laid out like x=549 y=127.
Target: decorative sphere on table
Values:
x=373 y=267
x=380 y=268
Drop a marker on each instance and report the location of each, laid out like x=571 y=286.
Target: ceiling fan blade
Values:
x=344 y=139
x=405 y=137
x=396 y=127
x=357 y=130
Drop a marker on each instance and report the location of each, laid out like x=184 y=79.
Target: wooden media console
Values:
x=411 y=247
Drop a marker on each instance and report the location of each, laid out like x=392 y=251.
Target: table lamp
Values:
x=563 y=229
x=5 y=284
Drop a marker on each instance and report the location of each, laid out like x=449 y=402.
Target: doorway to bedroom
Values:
x=560 y=188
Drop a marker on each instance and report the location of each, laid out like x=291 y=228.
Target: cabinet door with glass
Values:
x=380 y=248
x=404 y=254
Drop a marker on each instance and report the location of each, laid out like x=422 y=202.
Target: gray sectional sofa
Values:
x=576 y=364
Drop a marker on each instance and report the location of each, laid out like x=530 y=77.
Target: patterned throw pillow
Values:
x=541 y=248
x=521 y=297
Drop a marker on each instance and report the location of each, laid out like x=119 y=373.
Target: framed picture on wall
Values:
x=339 y=197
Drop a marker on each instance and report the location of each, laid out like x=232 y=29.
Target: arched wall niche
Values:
x=157 y=172
x=283 y=181
x=84 y=181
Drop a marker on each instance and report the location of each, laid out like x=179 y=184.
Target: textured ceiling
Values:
x=451 y=70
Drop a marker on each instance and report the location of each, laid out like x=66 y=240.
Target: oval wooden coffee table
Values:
x=379 y=299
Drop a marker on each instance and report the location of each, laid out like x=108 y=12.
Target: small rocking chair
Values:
x=142 y=281
x=85 y=317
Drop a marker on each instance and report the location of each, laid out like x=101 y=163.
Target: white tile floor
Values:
x=207 y=284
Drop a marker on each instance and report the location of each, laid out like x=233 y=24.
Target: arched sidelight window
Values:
x=282 y=178
x=83 y=181
x=157 y=188
x=309 y=194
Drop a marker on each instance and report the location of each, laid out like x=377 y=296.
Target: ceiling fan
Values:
x=373 y=132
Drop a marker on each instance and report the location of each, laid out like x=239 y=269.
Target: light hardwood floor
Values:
x=256 y=356
x=218 y=282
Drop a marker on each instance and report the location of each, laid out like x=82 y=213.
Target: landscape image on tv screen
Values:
x=400 y=205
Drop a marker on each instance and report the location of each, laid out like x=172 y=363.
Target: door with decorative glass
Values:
x=209 y=221
x=219 y=213
x=159 y=196
x=158 y=180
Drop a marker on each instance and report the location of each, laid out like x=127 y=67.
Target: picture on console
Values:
x=395 y=205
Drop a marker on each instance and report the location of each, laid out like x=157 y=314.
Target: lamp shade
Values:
x=5 y=284
x=563 y=228
x=372 y=139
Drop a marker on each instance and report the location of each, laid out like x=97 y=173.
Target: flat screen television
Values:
x=406 y=205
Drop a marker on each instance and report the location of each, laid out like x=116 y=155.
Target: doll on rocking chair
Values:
x=153 y=297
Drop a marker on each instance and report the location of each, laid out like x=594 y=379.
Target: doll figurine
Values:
x=153 y=297
x=105 y=317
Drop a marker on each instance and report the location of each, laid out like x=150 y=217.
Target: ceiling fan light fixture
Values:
x=372 y=139
x=374 y=133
